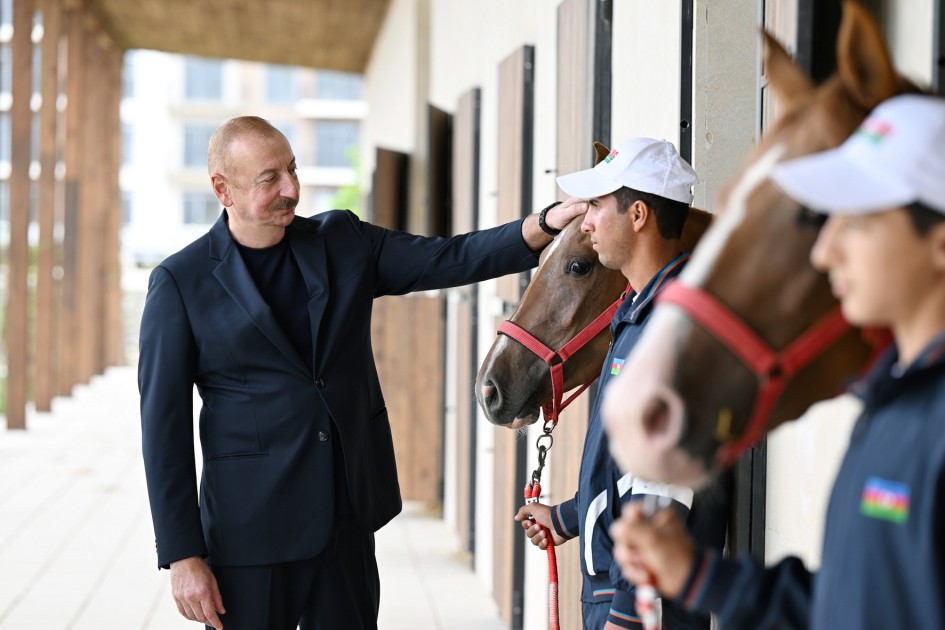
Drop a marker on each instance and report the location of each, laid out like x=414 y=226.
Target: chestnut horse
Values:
x=569 y=290
x=750 y=335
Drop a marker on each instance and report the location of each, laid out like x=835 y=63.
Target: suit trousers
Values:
x=337 y=590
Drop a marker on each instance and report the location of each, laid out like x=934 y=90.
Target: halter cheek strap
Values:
x=556 y=359
x=774 y=369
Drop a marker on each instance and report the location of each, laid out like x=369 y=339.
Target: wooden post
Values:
x=69 y=330
x=88 y=233
x=113 y=340
x=46 y=304
x=18 y=264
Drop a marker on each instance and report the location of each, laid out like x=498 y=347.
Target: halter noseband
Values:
x=556 y=359
x=773 y=368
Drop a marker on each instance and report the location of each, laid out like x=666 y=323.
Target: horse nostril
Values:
x=488 y=391
x=656 y=416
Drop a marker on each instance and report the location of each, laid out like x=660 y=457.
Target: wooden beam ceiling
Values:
x=334 y=34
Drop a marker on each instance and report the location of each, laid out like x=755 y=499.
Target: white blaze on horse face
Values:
x=550 y=250
x=715 y=239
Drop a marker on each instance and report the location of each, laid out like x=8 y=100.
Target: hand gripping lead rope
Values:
x=532 y=492
x=646 y=591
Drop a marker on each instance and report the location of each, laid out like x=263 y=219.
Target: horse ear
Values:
x=785 y=78
x=863 y=61
x=601 y=152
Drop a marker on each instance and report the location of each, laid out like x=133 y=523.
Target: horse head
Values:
x=752 y=336
x=569 y=291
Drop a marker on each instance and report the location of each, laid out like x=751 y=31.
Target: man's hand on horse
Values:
x=533 y=516
x=656 y=548
x=196 y=592
x=556 y=219
x=561 y=215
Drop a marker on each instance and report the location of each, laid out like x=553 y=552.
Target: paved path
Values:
x=76 y=544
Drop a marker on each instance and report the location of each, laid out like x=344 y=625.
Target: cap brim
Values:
x=587 y=184
x=836 y=183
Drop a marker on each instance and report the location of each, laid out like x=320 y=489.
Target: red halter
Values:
x=774 y=368
x=557 y=359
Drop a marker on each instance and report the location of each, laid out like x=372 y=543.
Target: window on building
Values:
x=5 y=201
x=126 y=197
x=343 y=86
x=201 y=206
x=5 y=133
x=322 y=198
x=128 y=75
x=281 y=86
x=37 y=69
x=288 y=130
x=196 y=141
x=335 y=140
x=203 y=79
x=34 y=137
x=127 y=143
x=6 y=69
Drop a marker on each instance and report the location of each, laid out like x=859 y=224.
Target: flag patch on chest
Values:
x=616 y=366
x=885 y=500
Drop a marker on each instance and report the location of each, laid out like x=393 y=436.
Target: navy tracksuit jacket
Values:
x=603 y=489
x=883 y=561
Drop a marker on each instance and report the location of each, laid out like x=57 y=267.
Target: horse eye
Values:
x=578 y=267
x=810 y=218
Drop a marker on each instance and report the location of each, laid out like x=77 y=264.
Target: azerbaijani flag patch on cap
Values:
x=885 y=500
x=610 y=157
x=874 y=130
x=616 y=366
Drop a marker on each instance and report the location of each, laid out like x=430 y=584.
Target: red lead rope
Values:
x=551 y=410
x=532 y=492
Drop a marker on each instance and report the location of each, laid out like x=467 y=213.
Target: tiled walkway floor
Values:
x=77 y=549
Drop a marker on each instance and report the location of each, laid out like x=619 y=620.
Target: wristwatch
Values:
x=547 y=229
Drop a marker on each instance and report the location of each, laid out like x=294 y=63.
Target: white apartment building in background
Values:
x=170 y=106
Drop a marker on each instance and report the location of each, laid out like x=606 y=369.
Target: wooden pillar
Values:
x=18 y=267
x=69 y=329
x=46 y=305
x=113 y=340
x=88 y=239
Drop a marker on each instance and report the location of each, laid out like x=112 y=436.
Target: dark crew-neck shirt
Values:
x=279 y=281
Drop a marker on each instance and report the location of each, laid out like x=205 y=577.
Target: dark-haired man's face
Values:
x=610 y=231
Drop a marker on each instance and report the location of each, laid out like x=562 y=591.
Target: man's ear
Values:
x=640 y=213
x=937 y=240
x=221 y=189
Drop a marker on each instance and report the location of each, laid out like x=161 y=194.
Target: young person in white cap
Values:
x=638 y=199
x=883 y=247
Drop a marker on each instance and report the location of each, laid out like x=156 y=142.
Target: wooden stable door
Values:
x=514 y=162
x=465 y=217
x=407 y=337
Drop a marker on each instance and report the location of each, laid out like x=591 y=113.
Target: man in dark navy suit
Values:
x=269 y=315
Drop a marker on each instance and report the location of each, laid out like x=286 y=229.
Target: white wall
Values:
x=726 y=60
x=646 y=76
x=389 y=81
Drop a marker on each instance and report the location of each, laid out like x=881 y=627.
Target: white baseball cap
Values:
x=895 y=158
x=643 y=164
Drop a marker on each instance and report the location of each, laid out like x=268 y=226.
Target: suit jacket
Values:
x=267 y=485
